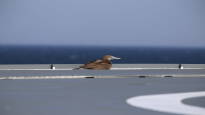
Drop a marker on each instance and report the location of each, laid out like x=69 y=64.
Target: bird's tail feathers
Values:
x=76 y=68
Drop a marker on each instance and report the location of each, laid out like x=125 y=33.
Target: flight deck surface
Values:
x=114 y=92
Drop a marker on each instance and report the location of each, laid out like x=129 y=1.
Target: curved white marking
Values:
x=168 y=103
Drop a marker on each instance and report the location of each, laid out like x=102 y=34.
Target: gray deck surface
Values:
x=104 y=73
x=88 y=96
x=71 y=66
x=199 y=101
x=103 y=96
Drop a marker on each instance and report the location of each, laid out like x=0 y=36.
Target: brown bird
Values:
x=99 y=64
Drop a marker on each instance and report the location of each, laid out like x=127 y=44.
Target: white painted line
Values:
x=42 y=77
x=81 y=69
x=171 y=103
x=138 y=68
x=37 y=69
x=111 y=69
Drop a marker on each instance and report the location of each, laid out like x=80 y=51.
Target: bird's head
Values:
x=110 y=57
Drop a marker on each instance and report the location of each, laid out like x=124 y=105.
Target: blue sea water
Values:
x=83 y=54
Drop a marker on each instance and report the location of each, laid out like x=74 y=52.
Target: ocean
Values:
x=82 y=54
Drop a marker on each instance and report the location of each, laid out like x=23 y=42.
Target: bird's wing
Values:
x=94 y=62
x=91 y=64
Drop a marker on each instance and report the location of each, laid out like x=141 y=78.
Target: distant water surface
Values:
x=78 y=55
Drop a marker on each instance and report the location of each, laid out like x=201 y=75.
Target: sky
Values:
x=163 y=23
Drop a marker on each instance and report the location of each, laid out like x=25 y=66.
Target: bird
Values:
x=99 y=64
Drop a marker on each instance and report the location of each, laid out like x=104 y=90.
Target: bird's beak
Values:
x=113 y=57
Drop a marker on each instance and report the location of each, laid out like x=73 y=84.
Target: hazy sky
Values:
x=103 y=22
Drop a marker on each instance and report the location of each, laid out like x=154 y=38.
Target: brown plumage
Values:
x=99 y=64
